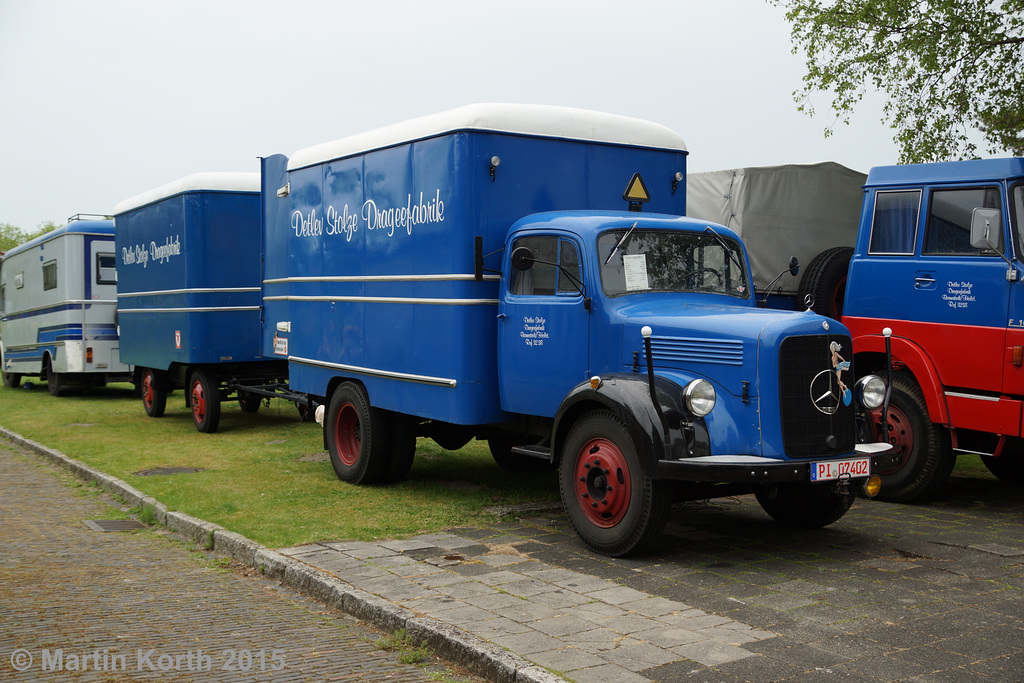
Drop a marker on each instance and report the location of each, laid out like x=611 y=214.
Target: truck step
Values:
x=536 y=451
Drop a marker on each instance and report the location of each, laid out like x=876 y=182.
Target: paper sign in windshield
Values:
x=635 y=269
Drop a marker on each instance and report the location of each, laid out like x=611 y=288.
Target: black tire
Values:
x=825 y=280
x=249 y=402
x=626 y=516
x=927 y=457
x=1008 y=467
x=153 y=390
x=54 y=380
x=803 y=507
x=12 y=380
x=356 y=435
x=501 y=451
x=204 y=400
x=401 y=448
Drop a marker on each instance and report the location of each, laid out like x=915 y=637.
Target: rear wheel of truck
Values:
x=154 y=393
x=55 y=381
x=926 y=457
x=801 y=506
x=204 y=398
x=613 y=504
x=1008 y=468
x=825 y=280
x=356 y=436
x=501 y=450
x=12 y=380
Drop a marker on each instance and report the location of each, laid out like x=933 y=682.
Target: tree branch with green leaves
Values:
x=950 y=69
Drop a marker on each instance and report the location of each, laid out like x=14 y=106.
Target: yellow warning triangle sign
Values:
x=636 y=191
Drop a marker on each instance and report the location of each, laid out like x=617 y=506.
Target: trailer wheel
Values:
x=154 y=393
x=926 y=457
x=501 y=451
x=613 y=504
x=205 y=402
x=249 y=402
x=12 y=380
x=801 y=506
x=1008 y=468
x=55 y=381
x=825 y=280
x=356 y=436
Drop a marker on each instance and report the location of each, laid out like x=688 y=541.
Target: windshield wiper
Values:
x=728 y=249
x=622 y=240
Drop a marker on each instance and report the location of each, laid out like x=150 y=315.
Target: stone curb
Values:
x=479 y=656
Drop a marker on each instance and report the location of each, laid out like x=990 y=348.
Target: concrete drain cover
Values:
x=167 y=470
x=114 y=524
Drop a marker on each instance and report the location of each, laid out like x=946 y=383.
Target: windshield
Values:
x=671 y=261
x=1017 y=212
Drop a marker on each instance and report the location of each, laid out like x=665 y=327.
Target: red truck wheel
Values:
x=613 y=504
x=154 y=393
x=825 y=280
x=926 y=457
x=356 y=436
x=205 y=402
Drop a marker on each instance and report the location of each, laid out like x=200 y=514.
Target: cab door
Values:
x=543 y=326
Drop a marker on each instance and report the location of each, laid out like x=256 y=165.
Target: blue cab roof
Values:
x=975 y=170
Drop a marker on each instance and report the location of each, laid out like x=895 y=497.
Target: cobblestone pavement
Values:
x=930 y=593
x=138 y=606
x=889 y=593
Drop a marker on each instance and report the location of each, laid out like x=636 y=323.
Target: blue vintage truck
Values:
x=522 y=274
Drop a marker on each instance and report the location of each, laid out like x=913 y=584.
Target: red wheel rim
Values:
x=838 y=297
x=602 y=482
x=898 y=432
x=198 y=402
x=147 y=389
x=346 y=434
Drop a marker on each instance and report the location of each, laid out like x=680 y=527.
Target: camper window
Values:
x=19 y=279
x=50 y=275
x=106 y=273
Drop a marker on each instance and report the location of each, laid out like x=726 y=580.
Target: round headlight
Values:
x=870 y=391
x=699 y=397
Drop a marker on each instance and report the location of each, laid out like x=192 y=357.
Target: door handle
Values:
x=923 y=280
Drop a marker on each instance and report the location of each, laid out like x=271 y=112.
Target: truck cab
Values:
x=955 y=305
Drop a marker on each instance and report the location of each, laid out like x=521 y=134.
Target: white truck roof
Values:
x=523 y=119
x=219 y=182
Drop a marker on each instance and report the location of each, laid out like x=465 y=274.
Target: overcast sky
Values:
x=103 y=99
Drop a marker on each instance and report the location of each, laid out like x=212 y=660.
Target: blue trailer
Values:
x=188 y=264
x=58 y=308
x=522 y=274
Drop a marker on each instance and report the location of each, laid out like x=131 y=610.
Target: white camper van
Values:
x=58 y=308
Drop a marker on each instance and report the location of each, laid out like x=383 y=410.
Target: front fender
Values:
x=628 y=396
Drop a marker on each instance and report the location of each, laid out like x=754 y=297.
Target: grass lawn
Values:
x=266 y=475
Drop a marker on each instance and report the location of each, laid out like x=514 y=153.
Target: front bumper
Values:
x=752 y=469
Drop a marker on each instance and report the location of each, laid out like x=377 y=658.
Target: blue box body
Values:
x=188 y=270
x=369 y=258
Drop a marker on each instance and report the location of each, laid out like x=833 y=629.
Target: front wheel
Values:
x=356 y=436
x=205 y=402
x=613 y=504
x=801 y=506
x=154 y=393
x=926 y=456
x=55 y=381
x=12 y=380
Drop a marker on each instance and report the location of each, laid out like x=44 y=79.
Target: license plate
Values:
x=833 y=469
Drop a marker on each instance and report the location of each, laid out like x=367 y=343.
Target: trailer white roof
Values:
x=197 y=182
x=522 y=119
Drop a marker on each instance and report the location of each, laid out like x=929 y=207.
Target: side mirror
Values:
x=987 y=229
x=522 y=258
x=794 y=266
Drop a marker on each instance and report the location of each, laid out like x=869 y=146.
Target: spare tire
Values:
x=825 y=281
